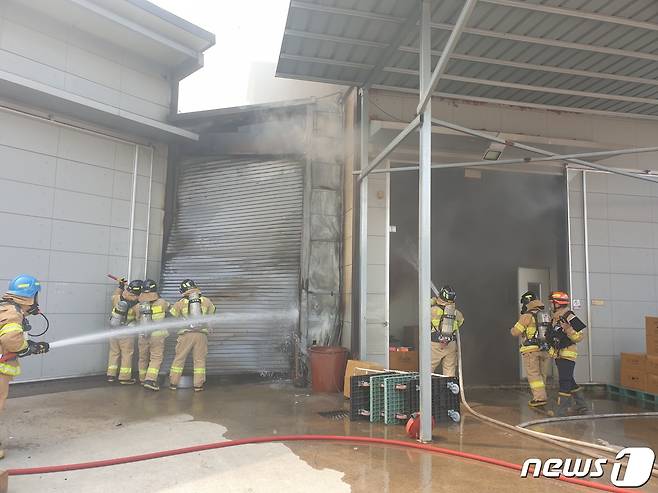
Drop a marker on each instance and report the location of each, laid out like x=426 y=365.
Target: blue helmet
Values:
x=24 y=286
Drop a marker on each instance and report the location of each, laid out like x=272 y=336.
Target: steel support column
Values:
x=424 y=227
x=427 y=90
x=363 y=227
x=588 y=289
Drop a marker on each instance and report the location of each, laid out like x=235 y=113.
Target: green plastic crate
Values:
x=396 y=402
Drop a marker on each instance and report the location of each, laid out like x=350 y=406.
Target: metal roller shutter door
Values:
x=237 y=232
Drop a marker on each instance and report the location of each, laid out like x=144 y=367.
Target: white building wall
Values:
x=624 y=224
x=43 y=50
x=65 y=216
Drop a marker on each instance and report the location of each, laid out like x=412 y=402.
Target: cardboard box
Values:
x=651 y=328
x=403 y=360
x=634 y=380
x=652 y=365
x=652 y=384
x=633 y=370
x=636 y=362
x=351 y=370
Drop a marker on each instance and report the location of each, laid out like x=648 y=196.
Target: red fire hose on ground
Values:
x=296 y=438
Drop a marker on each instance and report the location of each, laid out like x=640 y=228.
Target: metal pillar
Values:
x=363 y=227
x=424 y=228
x=148 y=216
x=132 y=215
x=588 y=297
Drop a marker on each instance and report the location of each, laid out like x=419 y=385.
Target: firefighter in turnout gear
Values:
x=151 y=308
x=124 y=312
x=446 y=321
x=193 y=338
x=531 y=331
x=565 y=332
x=20 y=300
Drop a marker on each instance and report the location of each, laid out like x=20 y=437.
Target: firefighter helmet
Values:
x=527 y=297
x=447 y=294
x=135 y=287
x=149 y=286
x=24 y=286
x=186 y=285
x=559 y=298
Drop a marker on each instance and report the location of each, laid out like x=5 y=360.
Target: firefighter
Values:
x=151 y=345
x=446 y=321
x=20 y=300
x=193 y=338
x=531 y=330
x=124 y=312
x=565 y=332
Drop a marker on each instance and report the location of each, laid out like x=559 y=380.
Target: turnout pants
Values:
x=534 y=364
x=197 y=343
x=121 y=351
x=4 y=389
x=565 y=369
x=151 y=354
x=445 y=355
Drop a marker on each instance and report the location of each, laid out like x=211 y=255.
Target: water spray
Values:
x=225 y=318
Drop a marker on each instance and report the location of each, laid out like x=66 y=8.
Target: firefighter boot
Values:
x=564 y=402
x=537 y=403
x=151 y=385
x=580 y=402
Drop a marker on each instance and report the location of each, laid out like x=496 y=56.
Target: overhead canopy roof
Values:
x=587 y=56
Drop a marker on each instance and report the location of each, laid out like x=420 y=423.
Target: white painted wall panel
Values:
x=623 y=265
x=76 y=184
x=47 y=51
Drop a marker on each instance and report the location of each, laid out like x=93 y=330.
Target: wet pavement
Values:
x=87 y=420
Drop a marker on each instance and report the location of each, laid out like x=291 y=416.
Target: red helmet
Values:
x=559 y=298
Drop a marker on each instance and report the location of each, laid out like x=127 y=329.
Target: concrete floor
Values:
x=83 y=421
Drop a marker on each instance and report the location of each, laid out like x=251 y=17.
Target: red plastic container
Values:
x=328 y=368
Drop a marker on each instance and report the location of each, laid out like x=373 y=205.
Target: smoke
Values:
x=483 y=230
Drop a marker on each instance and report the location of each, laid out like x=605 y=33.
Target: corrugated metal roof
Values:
x=586 y=55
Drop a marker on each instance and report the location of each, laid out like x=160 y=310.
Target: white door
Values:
x=539 y=282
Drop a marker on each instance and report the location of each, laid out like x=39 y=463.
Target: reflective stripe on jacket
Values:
x=12 y=340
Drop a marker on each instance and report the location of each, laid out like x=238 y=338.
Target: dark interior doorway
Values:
x=483 y=230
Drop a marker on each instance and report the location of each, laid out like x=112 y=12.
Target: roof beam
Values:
x=442 y=64
x=545 y=9
x=551 y=90
x=328 y=61
x=402 y=31
x=525 y=66
x=335 y=39
x=390 y=148
x=348 y=12
x=526 y=160
x=551 y=42
x=520 y=104
x=526 y=87
x=543 y=152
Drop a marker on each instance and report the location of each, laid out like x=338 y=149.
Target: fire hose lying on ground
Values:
x=566 y=443
x=573 y=445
